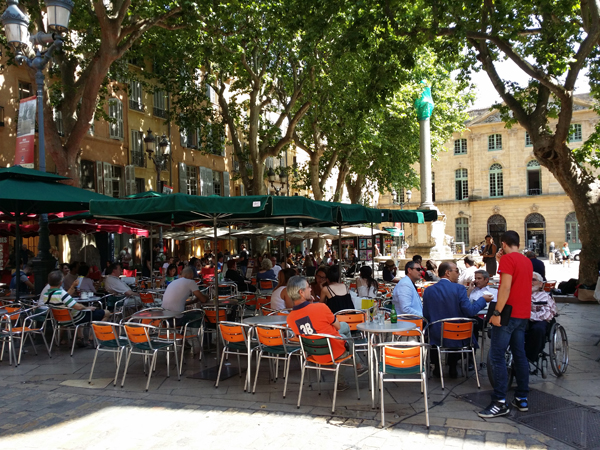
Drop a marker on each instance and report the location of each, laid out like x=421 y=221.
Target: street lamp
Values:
x=161 y=157
x=272 y=176
x=16 y=28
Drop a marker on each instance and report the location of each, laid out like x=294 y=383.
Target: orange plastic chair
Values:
x=235 y=342
x=141 y=343
x=27 y=328
x=107 y=339
x=407 y=362
x=147 y=299
x=419 y=321
x=353 y=317
x=62 y=320
x=10 y=320
x=130 y=273
x=274 y=344
x=457 y=329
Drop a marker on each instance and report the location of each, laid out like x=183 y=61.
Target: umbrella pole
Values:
x=285 y=239
x=18 y=256
x=372 y=250
x=216 y=300
x=229 y=228
x=151 y=259
x=340 y=252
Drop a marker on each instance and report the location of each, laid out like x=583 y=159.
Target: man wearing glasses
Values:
x=405 y=296
x=444 y=300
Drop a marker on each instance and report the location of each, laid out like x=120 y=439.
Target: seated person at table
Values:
x=431 y=272
x=478 y=289
x=279 y=297
x=115 y=285
x=276 y=267
x=405 y=297
x=390 y=272
x=266 y=270
x=444 y=300
x=56 y=296
x=86 y=284
x=171 y=274
x=24 y=284
x=308 y=318
x=336 y=294
x=543 y=310
x=419 y=260
x=178 y=293
x=467 y=276
x=320 y=282
x=366 y=286
x=234 y=275
x=72 y=275
x=309 y=266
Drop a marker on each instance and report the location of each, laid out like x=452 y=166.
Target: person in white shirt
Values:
x=279 y=297
x=467 y=276
x=479 y=287
x=276 y=267
x=179 y=291
x=115 y=285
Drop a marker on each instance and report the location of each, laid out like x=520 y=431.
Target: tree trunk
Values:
x=584 y=191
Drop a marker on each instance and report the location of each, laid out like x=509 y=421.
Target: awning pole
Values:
x=340 y=252
x=372 y=250
x=151 y=260
x=284 y=239
x=216 y=300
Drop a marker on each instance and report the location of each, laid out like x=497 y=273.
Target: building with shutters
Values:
x=488 y=181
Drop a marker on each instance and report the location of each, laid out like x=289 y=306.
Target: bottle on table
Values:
x=393 y=315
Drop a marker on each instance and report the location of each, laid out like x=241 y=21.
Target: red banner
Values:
x=26 y=133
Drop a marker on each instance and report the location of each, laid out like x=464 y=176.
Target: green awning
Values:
x=29 y=191
x=352 y=214
x=410 y=215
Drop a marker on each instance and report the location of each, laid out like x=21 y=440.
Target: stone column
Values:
x=424 y=107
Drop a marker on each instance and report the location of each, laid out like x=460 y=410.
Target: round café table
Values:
x=156 y=314
x=372 y=328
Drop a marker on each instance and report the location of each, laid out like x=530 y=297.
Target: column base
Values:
x=428 y=205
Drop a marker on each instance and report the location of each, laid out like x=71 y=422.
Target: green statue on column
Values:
x=424 y=105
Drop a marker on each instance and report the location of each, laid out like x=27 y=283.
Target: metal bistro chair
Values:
x=62 y=320
x=210 y=321
x=107 y=338
x=30 y=318
x=235 y=342
x=8 y=321
x=274 y=345
x=319 y=345
x=196 y=321
x=353 y=317
x=457 y=329
x=142 y=343
x=266 y=286
x=407 y=362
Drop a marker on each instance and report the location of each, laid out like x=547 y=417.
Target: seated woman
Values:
x=316 y=286
x=86 y=284
x=266 y=270
x=234 y=275
x=431 y=274
x=390 y=272
x=336 y=294
x=171 y=275
x=309 y=266
x=279 y=297
x=366 y=285
x=543 y=310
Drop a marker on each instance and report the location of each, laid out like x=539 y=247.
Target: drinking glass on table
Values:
x=380 y=317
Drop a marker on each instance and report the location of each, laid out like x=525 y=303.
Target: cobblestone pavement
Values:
x=48 y=403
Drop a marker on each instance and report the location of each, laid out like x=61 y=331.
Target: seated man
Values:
x=72 y=275
x=479 y=288
x=405 y=297
x=467 y=276
x=56 y=296
x=389 y=272
x=235 y=276
x=24 y=284
x=178 y=293
x=543 y=310
x=308 y=318
x=444 y=300
x=115 y=285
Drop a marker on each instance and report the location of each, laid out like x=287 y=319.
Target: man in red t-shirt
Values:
x=308 y=318
x=516 y=273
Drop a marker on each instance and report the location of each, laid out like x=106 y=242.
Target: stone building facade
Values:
x=488 y=181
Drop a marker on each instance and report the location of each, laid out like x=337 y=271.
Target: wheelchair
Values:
x=558 y=355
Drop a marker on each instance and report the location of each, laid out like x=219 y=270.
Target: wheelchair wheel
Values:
x=509 y=365
x=559 y=350
x=544 y=367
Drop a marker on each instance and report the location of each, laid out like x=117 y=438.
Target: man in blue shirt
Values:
x=405 y=296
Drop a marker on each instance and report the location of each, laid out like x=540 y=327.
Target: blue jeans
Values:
x=512 y=335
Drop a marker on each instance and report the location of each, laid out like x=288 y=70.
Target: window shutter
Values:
x=226 y=184
x=242 y=190
x=107 y=176
x=120 y=129
x=209 y=181
x=182 y=178
x=130 y=188
x=99 y=183
x=182 y=138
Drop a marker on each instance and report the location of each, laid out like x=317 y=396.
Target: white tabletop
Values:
x=266 y=320
x=156 y=314
x=93 y=298
x=387 y=327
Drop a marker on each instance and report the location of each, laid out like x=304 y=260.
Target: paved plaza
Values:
x=47 y=403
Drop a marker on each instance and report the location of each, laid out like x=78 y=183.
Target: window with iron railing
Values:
x=160 y=109
x=135 y=96
x=138 y=158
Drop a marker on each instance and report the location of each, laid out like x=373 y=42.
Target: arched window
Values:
x=462 y=230
x=461 y=184
x=496 y=226
x=496 y=181
x=572 y=231
x=534 y=178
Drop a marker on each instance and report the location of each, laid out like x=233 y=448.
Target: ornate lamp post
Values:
x=16 y=28
x=272 y=177
x=159 y=159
